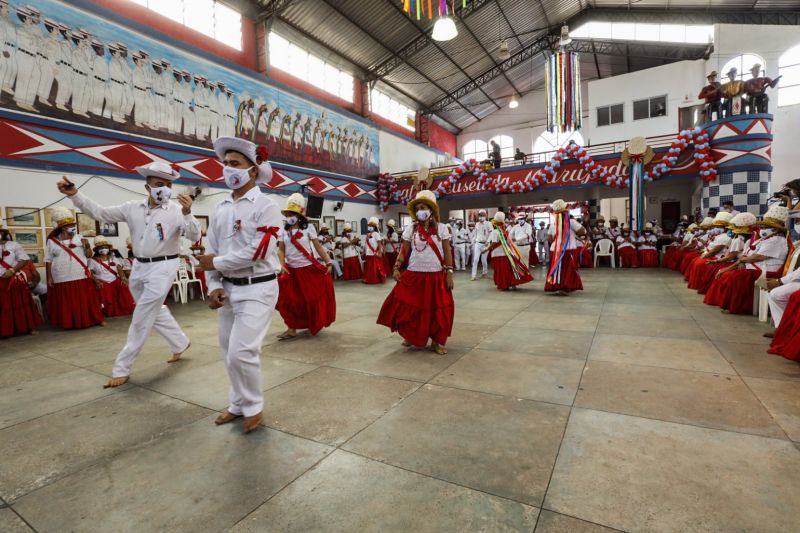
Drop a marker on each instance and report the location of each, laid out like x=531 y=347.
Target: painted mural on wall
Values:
x=63 y=62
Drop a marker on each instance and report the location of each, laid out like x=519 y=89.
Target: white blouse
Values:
x=392 y=242
x=622 y=243
x=11 y=253
x=63 y=267
x=294 y=257
x=572 y=242
x=648 y=242
x=101 y=273
x=775 y=248
x=348 y=249
x=372 y=243
x=423 y=258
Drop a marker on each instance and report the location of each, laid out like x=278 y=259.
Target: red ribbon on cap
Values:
x=262 y=152
x=270 y=232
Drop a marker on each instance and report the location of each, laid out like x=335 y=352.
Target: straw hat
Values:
x=499 y=217
x=347 y=227
x=626 y=227
x=776 y=217
x=707 y=223
x=558 y=206
x=712 y=74
x=613 y=219
x=100 y=242
x=295 y=205
x=324 y=227
x=741 y=223
x=61 y=216
x=391 y=223
x=732 y=72
x=692 y=227
x=601 y=219
x=427 y=198
x=722 y=219
x=374 y=222
x=648 y=226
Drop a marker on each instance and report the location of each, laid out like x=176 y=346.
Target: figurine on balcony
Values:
x=732 y=91
x=712 y=96
x=756 y=90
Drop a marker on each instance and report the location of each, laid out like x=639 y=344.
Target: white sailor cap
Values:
x=251 y=151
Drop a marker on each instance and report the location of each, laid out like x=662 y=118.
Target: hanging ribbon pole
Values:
x=636 y=195
x=563 y=85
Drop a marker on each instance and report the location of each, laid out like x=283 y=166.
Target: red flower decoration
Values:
x=262 y=152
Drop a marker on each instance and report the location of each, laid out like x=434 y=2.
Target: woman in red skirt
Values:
x=111 y=280
x=626 y=248
x=374 y=263
x=420 y=307
x=706 y=267
x=18 y=314
x=585 y=252
x=671 y=250
x=351 y=262
x=391 y=245
x=563 y=276
x=648 y=252
x=699 y=243
x=739 y=231
x=786 y=339
x=510 y=269
x=306 y=299
x=73 y=298
x=766 y=255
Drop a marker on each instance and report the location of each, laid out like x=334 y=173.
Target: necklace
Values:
x=414 y=241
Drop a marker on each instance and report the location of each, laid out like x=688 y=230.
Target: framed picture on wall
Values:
x=87 y=226
x=36 y=256
x=330 y=222
x=23 y=216
x=339 y=226
x=28 y=238
x=107 y=229
x=48 y=212
x=203 y=220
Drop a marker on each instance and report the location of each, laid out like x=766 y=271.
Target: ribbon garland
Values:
x=563 y=81
x=467 y=167
x=387 y=191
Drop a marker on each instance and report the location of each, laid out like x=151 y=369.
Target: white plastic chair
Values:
x=762 y=307
x=193 y=279
x=178 y=285
x=38 y=302
x=604 y=248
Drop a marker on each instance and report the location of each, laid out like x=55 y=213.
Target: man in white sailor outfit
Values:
x=156 y=225
x=189 y=118
x=161 y=106
x=460 y=243
x=118 y=75
x=8 y=50
x=141 y=98
x=81 y=70
x=63 y=70
x=49 y=53
x=483 y=228
x=242 y=266
x=28 y=73
x=99 y=81
x=542 y=245
x=521 y=235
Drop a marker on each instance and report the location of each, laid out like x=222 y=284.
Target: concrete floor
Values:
x=628 y=406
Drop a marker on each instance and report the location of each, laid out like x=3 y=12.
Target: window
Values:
x=650 y=108
x=611 y=114
x=208 y=17
x=547 y=143
x=506 y=145
x=298 y=62
x=476 y=149
x=742 y=64
x=387 y=107
x=627 y=31
x=789 y=68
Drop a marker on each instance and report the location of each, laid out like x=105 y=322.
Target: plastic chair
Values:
x=604 y=248
x=178 y=285
x=192 y=279
x=762 y=308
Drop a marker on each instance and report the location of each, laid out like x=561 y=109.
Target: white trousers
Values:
x=477 y=256
x=779 y=298
x=8 y=67
x=150 y=284
x=27 y=79
x=46 y=81
x=461 y=256
x=543 y=249
x=243 y=322
x=525 y=253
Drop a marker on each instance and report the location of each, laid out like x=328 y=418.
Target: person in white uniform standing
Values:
x=156 y=225
x=521 y=234
x=483 y=229
x=542 y=245
x=28 y=74
x=8 y=50
x=460 y=243
x=49 y=55
x=242 y=267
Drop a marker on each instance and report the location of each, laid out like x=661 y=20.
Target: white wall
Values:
x=401 y=155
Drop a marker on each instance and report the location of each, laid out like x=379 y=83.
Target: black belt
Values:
x=251 y=280
x=26 y=52
x=79 y=71
x=159 y=94
x=62 y=62
x=140 y=88
x=117 y=81
x=100 y=79
x=41 y=55
x=12 y=45
x=156 y=259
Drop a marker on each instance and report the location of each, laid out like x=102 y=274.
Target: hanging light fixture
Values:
x=504 y=52
x=514 y=103
x=444 y=29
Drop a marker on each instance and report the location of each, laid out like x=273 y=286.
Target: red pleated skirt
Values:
x=586 y=256
x=504 y=275
x=706 y=276
x=670 y=257
x=786 y=341
x=687 y=259
x=690 y=268
x=570 y=277
x=201 y=275
x=533 y=256
x=648 y=258
x=374 y=270
x=628 y=258
x=351 y=268
x=391 y=259
x=739 y=294
x=419 y=308
x=306 y=299
x=18 y=313
x=696 y=272
x=74 y=304
x=116 y=299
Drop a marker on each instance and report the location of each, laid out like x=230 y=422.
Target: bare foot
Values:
x=438 y=348
x=103 y=324
x=251 y=423
x=176 y=356
x=226 y=417
x=288 y=334
x=116 y=382
x=35 y=332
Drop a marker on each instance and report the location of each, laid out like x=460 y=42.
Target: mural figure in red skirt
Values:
x=421 y=307
x=306 y=299
x=563 y=276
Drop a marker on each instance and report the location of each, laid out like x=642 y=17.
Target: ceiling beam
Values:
x=779 y=17
x=272 y=8
x=489 y=55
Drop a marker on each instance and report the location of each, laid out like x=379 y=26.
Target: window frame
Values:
x=649 y=101
x=794 y=65
x=161 y=7
x=740 y=57
x=391 y=109
x=608 y=108
x=474 y=154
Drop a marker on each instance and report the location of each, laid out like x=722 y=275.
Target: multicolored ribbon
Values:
x=561 y=248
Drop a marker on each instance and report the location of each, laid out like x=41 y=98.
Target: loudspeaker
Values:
x=314 y=206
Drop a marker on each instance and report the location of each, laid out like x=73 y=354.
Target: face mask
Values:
x=161 y=194
x=423 y=215
x=729 y=233
x=236 y=178
x=647 y=232
x=520 y=222
x=482 y=219
x=103 y=251
x=291 y=220
x=766 y=232
x=72 y=230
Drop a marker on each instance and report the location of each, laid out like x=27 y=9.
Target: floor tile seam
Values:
x=11 y=508
x=667 y=367
x=543 y=508
x=496 y=394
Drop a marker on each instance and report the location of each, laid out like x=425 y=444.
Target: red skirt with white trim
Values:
x=628 y=258
x=116 y=299
x=74 y=304
x=696 y=271
x=739 y=300
x=18 y=313
x=374 y=269
x=786 y=341
x=351 y=268
x=504 y=276
x=689 y=273
x=419 y=308
x=648 y=258
x=570 y=277
x=306 y=299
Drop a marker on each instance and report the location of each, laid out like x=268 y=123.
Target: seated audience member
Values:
x=626 y=248
x=786 y=341
x=696 y=246
x=740 y=231
x=702 y=272
x=682 y=246
x=671 y=250
x=648 y=252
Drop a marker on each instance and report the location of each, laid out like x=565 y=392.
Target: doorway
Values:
x=670 y=216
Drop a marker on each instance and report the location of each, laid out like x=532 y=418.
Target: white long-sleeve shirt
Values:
x=233 y=237
x=155 y=232
x=520 y=234
x=482 y=231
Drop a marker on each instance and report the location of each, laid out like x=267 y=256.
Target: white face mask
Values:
x=236 y=178
x=520 y=222
x=291 y=220
x=161 y=194
x=423 y=215
x=103 y=251
x=765 y=232
x=482 y=219
x=72 y=230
